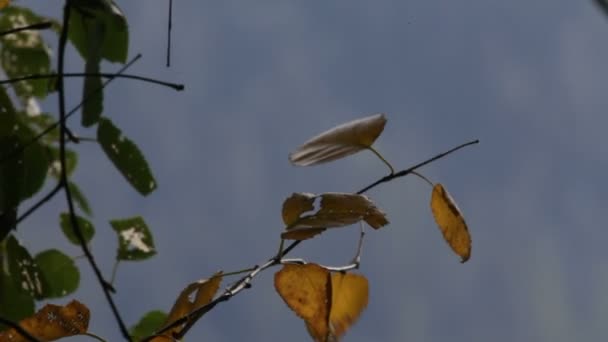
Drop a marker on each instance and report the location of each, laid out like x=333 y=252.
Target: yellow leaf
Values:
x=340 y=141
x=336 y=210
x=329 y=303
x=306 y=290
x=349 y=298
x=451 y=222
x=52 y=322
x=296 y=205
x=4 y=3
x=202 y=292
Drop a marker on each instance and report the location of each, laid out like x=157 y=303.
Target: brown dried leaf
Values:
x=336 y=210
x=52 y=322
x=205 y=289
x=340 y=141
x=451 y=222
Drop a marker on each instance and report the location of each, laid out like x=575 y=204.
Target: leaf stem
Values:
x=382 y=158
x=415 y=173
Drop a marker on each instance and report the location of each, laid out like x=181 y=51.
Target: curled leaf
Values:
x=52 y=322
x=340 y=141
x=329 y=303
x=451 y=222
x=336 y=210
x=195 y=295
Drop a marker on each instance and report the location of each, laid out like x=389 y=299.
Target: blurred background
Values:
x=527 y=78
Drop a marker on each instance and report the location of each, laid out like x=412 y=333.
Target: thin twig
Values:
x=105 y=286
x=169 y=27
x=41 y=202
x=69 y=114
x=38 y=26
x=176 y=86
x=19 y=330
x=245 y=282
x=405 y=172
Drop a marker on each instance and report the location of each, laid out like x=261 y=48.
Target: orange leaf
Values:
x=205 y=289
x=451 y=222
x=305 y=289
x=4 y=3
x=52 y=322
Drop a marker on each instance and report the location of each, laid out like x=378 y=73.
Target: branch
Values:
x=19 y=329
x=105 y=286
x=245 y=282
x=38 y=26
x=41 y=202
x=69 y=114
x=169 y=27
x=414 y=168
x=176 y=86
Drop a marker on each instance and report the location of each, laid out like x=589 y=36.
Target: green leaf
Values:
x=42 y=122
x=15 y=304
x=85 y=226
x=134 y=239
x=92 y=97
x=148 y=324
x=126 y=156
x=114 y=43
x=80 y=199
x=26 y=47
x=60 y=274
x=23 y=269
x=71 y=160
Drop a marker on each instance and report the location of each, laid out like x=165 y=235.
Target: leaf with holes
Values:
x=28 y=48
x=52 y=322
x=336 y=210
x=60 y=275
x=23 y=269
x=340 y=141
x=126 y=156
x=451 y=222
x=86 y=227
x=134 y=239
x=15 y=302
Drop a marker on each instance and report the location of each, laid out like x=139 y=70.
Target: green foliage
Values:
x=79 y=198
x=126 y=156
x=61 y=276
x=28 y=48
x=135 y=241
x=23 y=269
x=85 y=226
x=148 y=324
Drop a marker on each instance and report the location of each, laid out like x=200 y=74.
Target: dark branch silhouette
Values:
x=178 y=87
x=38 y=26
x=105 y=286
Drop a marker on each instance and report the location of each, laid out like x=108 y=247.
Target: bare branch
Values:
x=38 y=26
x=19 y=329
x=105 y=286
x=176 y=86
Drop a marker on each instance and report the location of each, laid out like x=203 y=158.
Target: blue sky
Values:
x=527 y=78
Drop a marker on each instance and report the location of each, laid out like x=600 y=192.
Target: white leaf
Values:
x=340 y=141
